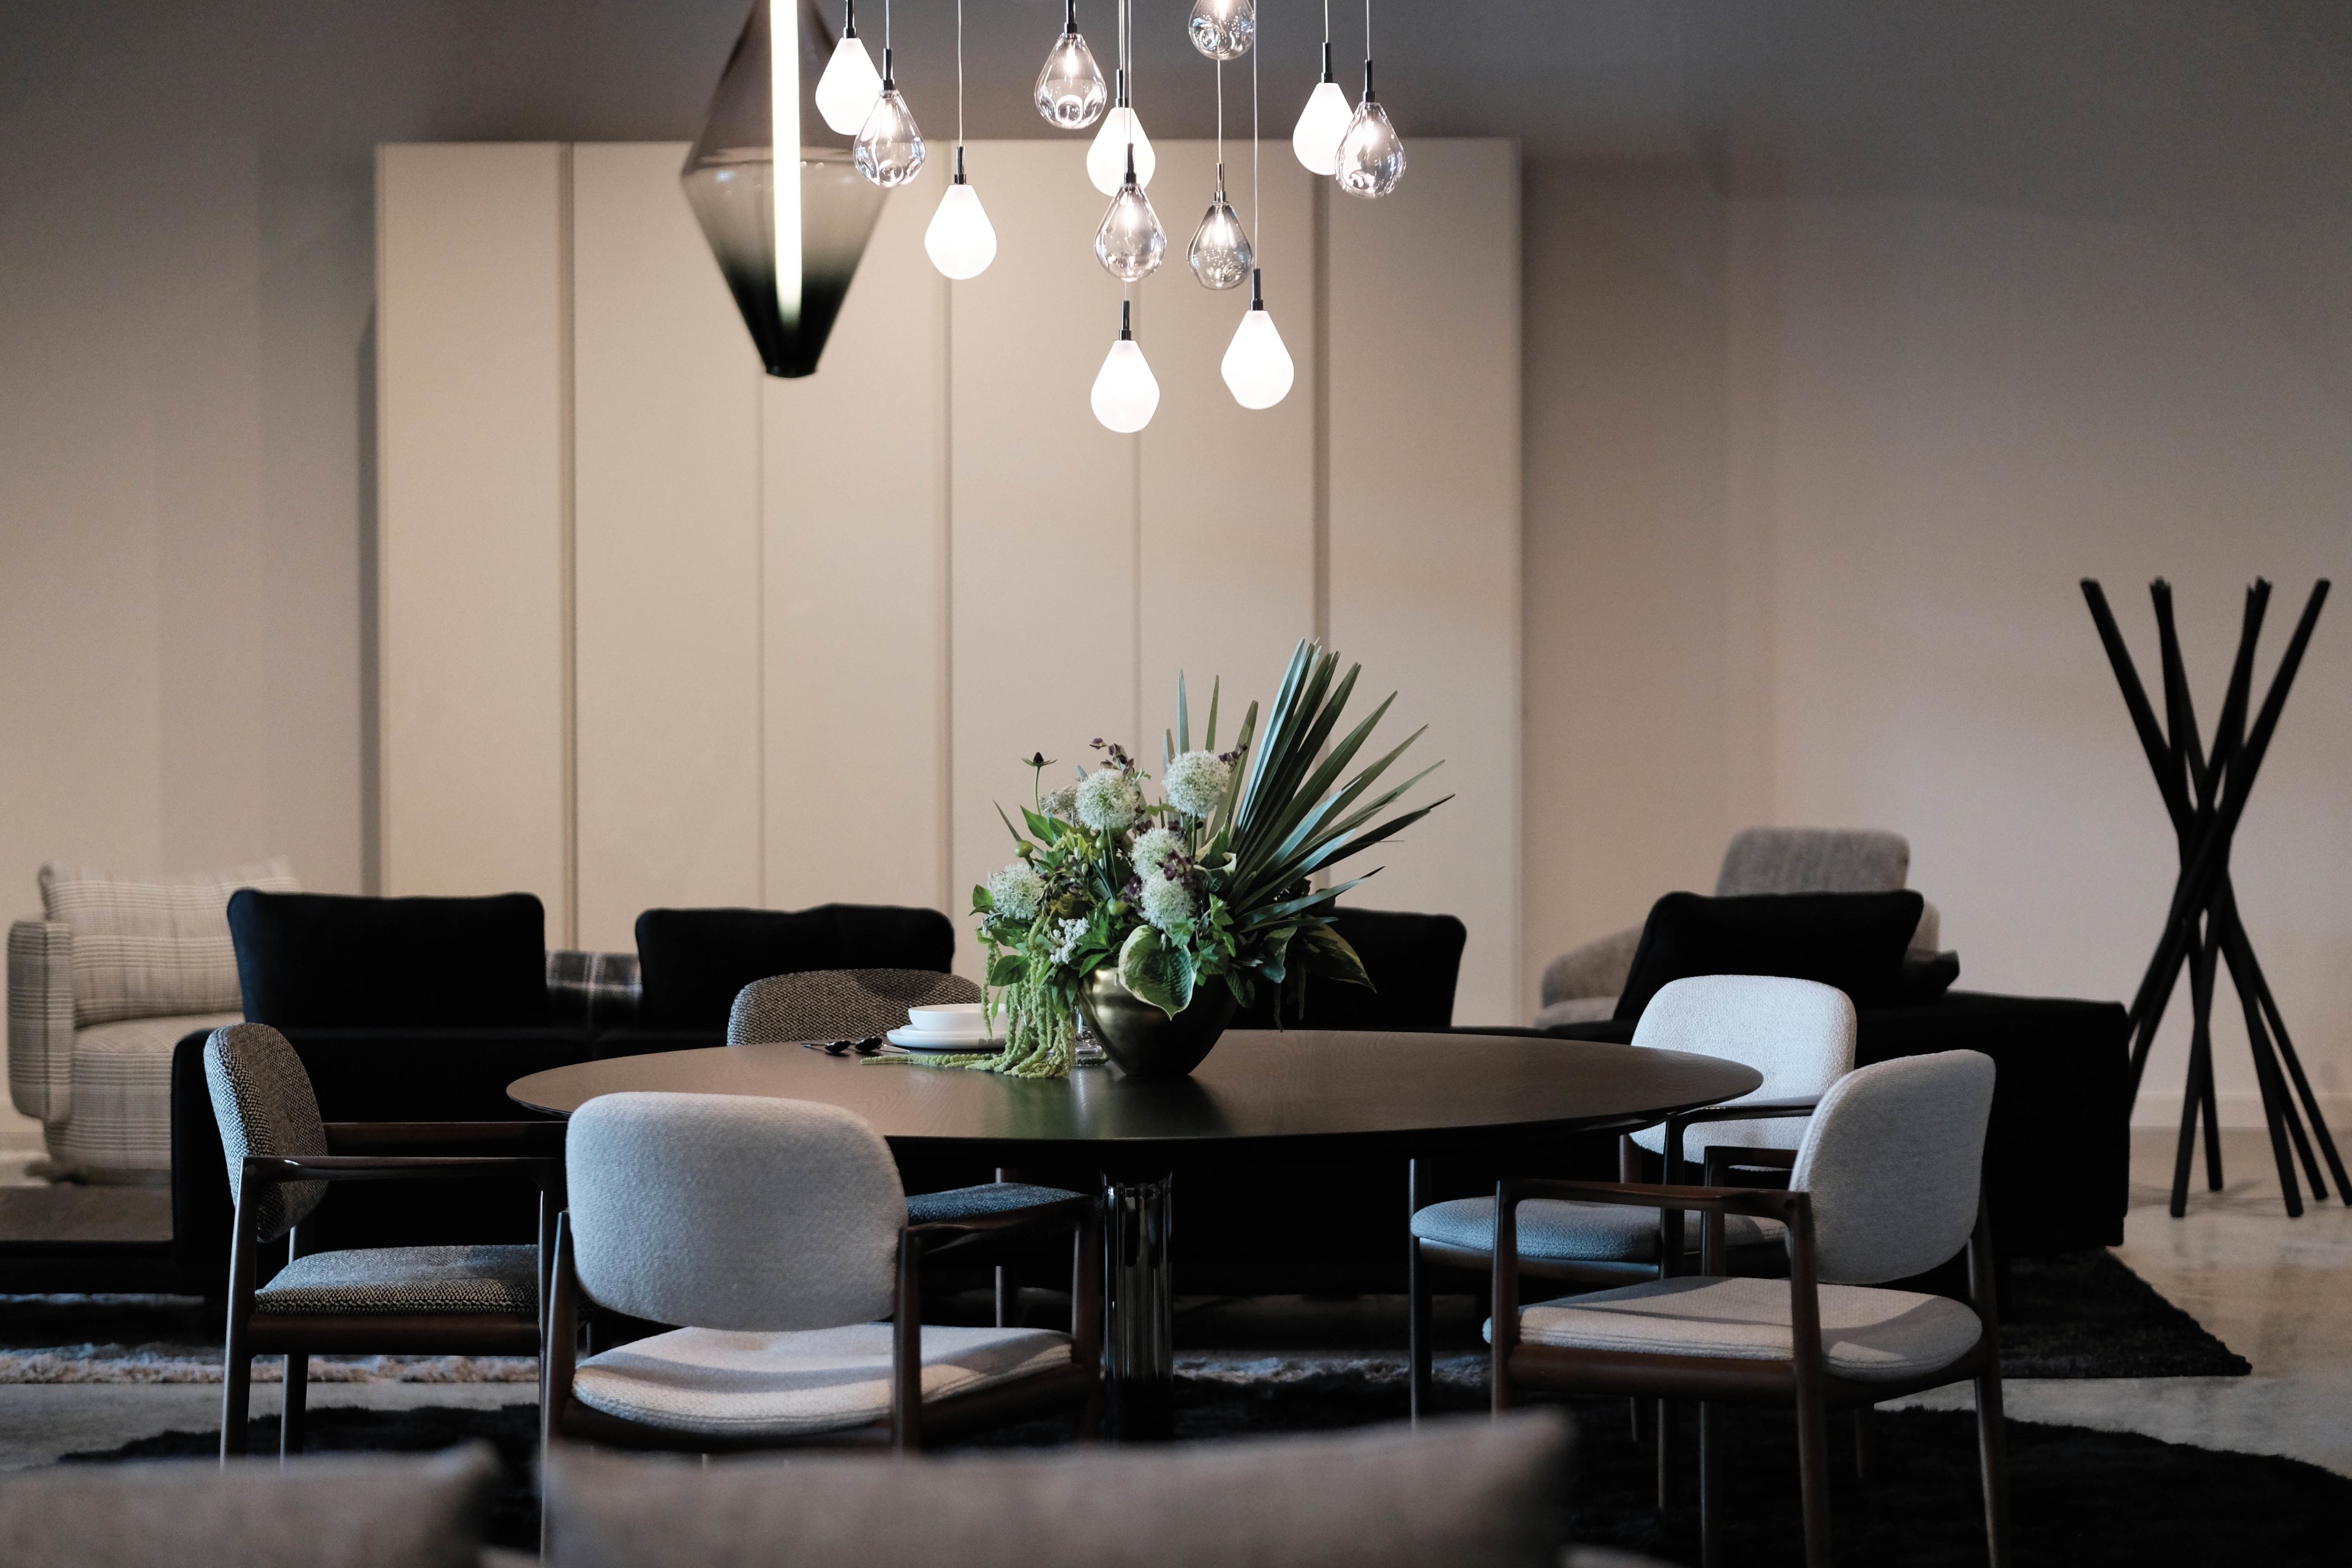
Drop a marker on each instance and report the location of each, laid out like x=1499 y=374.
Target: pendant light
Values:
x=1256 y=366
x=1126 y=392
x=1324 y=121
x=787 y=233
x=960 y=242
x=1371 y=155
x=1121 y=130
x=1222 y=29
x=1130 y=241
x=889 y=145
x=849 y=86
x=1070 y=89
x=1220 y=253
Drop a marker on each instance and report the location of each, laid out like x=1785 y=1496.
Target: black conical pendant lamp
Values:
x=788 y=232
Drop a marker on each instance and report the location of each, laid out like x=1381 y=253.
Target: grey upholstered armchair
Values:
x=1582 y=984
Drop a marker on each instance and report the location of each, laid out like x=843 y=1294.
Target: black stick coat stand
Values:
x=2205 y=795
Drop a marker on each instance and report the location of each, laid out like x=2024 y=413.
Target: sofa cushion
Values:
x=152 y=948
x=121 y=1121
x=1472 y=1491
x=1854 y=941
x=325 y=960
x=691 y=963
x=377 y=1511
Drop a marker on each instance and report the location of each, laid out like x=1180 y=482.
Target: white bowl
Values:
x=949 y=1018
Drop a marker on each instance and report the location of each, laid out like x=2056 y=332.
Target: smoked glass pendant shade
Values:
x=1130 y=241
x=1222 y=29
x=1220 y=255
x=1070 y=91
x=788 y=245
x=890 y=149
x=1371 y=154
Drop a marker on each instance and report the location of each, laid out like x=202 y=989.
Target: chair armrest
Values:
x=1597 y=969
x=396 y=1167
x=1735 y=1110
x=41 y=1019
x=356 y=1137
x=1765 y=1203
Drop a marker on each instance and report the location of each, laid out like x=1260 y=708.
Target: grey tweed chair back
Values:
x=262 y=1100
x=826 y=1007
x=720 y=1211
x=1799 y=1034
x=1892 y=1160
x=1813 y=860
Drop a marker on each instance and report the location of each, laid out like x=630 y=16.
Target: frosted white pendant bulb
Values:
x=1070 y=89
x=846 y=91
x=1126 y=392
x=1221 y=255
x=1130 y=241
x=1371 y=154
x=961 y=241
x=1256 y=366
x=1321 y=123
x=889 y=145
x=1222 y=29
x=1106 y=159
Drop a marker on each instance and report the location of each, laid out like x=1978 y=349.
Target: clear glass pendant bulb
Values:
x=846 y=91
x=889 y=146
x=1106 y=159
x=961 y=242
x=1371 y=154
x=1221 y=254
x=1222 y=29
x=1070 y=89
x=1125 y=393
x=1256 y=366
x=1320 y=125
x=1130 y=241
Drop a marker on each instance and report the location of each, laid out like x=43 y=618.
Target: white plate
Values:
x=939 y=1042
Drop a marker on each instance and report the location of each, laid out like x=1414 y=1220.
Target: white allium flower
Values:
x=1149 y=856
x=1068 y=931
x=1197 y=780
x=1062 y=803
x=1165 y=903
x=1108 y=802
x=1017 y=891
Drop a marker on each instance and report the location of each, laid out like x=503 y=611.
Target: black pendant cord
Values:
x=2205 y=795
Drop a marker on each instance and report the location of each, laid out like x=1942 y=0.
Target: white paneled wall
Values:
x=814 y=624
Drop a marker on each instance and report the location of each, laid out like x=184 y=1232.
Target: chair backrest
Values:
x=1892 y=1160
x=822 y=1006
x=262 y=1100
x=718 y=1211
x=1414 y=962
x=692 y=963
x=1798 y=1034
x=1813 y=860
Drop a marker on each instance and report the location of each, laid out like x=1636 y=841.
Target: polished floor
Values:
x=2276 y=1290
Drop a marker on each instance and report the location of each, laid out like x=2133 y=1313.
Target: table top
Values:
x=1260 y=1094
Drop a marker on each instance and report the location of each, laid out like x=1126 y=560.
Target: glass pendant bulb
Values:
x=1322 y=122
x=1221 y=254
x=1371 y=154
x=961 y=242
x=1222 y=29
x=787 y=233
x=890 y=145
x=1256 y=366
x=1130 y=241
x=850 y=84
x=1071 y=90
x=1107 y=157
x=1126 y=392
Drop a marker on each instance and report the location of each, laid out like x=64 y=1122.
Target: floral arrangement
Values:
x=1211 y=885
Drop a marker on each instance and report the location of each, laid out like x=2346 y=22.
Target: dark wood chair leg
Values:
x=1710 y=1458
x=1633 y=1413
x=296 y=1406
x=1666 y=1453
x=1008 y=1298
x=1419 y=1329
x=236 y=1395
x=1992 y=1457
x=1865 y=1440
x=1814 y=1470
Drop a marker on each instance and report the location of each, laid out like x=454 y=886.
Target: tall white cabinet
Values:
x=656 y=629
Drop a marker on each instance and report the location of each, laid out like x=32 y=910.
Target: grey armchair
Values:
x=1582 y=984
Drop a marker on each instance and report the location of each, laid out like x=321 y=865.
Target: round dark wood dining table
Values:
x=1262 y=1097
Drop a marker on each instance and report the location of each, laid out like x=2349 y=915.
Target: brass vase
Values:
x=1144 y=1042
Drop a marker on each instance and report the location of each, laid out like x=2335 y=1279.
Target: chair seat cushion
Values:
x=970 y=1203
x=813 y=1380
x=1552 y=1230
x=1867 y=1334
x=391 y=1280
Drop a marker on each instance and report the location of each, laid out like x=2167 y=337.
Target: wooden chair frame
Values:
x=913 y=1422
x=299 y=1336
x=1803 y=1381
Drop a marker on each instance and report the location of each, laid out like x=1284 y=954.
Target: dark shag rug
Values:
x=2078 y=1497
x=2085 y=1314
